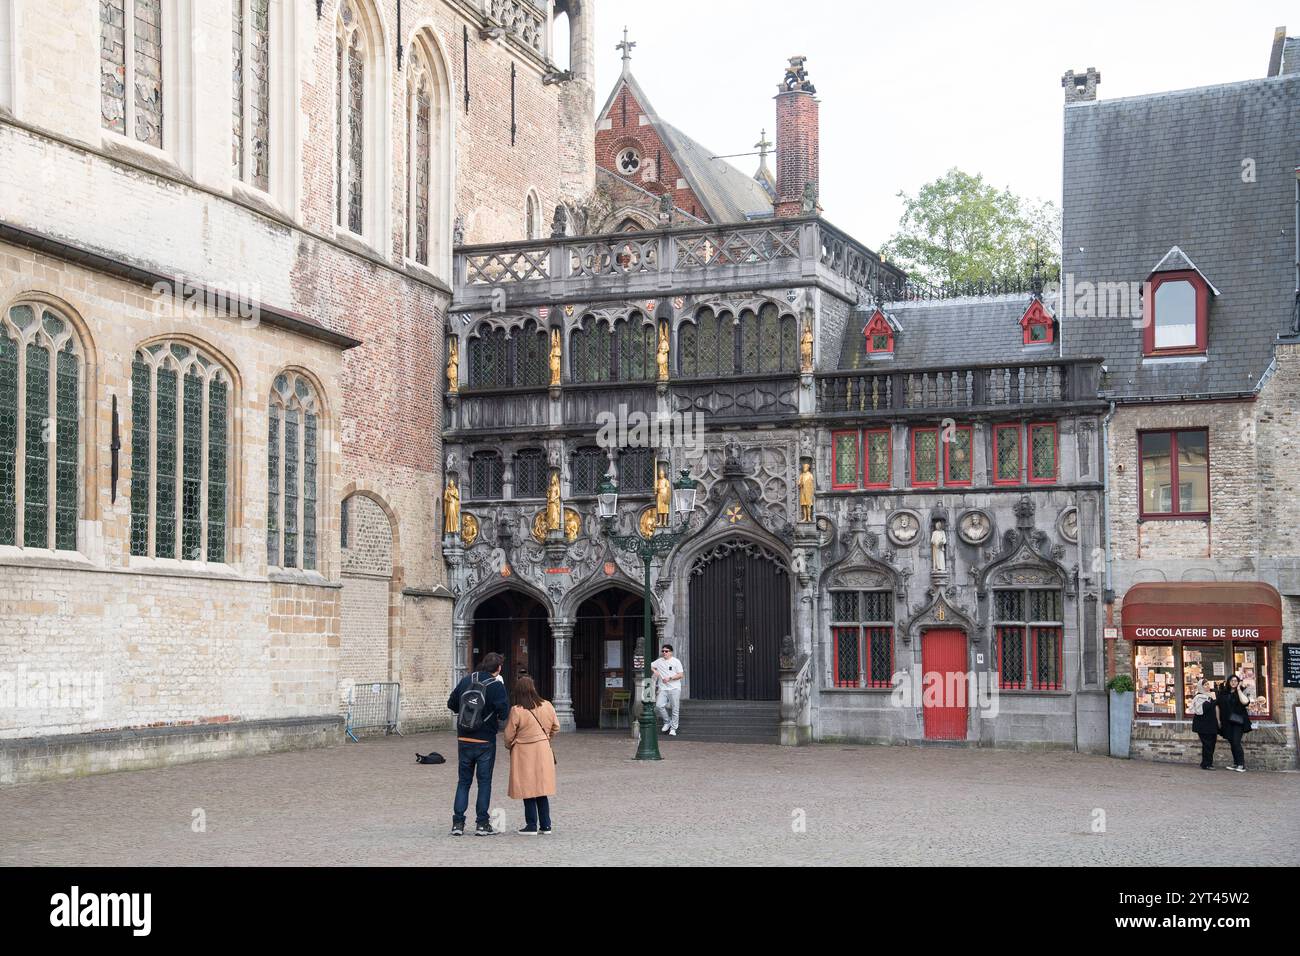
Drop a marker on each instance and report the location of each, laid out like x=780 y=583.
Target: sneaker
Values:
x=485 y=829
x=1239 y=769
x=528 y=831
x=546 y=832
x=458 y=829
x=1207 y=768
x=663 y=728
x=672 y=733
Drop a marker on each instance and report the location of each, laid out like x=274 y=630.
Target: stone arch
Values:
x=376 y=119
x=469 y=603
x=373 y=581
x=424 y=45
x=594 y=584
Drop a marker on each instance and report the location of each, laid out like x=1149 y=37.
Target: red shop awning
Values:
x=1202 y=611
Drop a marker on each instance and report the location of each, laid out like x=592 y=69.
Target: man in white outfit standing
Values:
x=668 y=672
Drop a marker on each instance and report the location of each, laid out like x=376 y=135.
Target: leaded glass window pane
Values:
x=486 y=474
x=1047 y=658
x=636 y=467
x=727 y=332
x=1009 y=605
x=878 y=458
x=750 y=334
x=273 y=487
x=140 y=427
x=532 y=357
x=147 y=65
x=36 y=487
x=259 y=56
x=1045 y=606
x=588 y=468
x=846 y=459
x=291 y=479
x=422 y=128
x=192 y=469
x=217 y=471
x=1011 y=658
x=8 y=438
x=112 y=65
x=488 y=360
x=925 y=447
x=879 y=606
x=530 y=474
x=959 y=455
x=636 y=350
x=769 y=339
x=1008 y=453
x=67 y=457
x=846 y=656
x=165 y=467
x=309 y=493
x=688 y=338
x=591 y=353
x=237 y=87
x=844 y=605
x=1042 y=449
x=709 y=332
x=356 y=132
x=789 y=345
x=880 y=642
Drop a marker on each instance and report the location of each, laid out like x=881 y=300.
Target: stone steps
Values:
x=730 y=721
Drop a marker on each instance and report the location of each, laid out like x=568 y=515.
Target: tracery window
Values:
x=180 y=446
x=292 y=473
x=131 y=75
x=41 y=364
x=718 y=344
x=521 y=359
x=419 y=153
x=625 y=353
x=769 y=343
x=251 y=100
x=350 y=103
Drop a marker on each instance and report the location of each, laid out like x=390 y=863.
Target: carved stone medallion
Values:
x=903 y=528
x=1068 y=525
x=974 y=527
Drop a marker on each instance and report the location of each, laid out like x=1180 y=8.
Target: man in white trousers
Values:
x=668 y=672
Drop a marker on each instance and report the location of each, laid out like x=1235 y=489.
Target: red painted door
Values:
x=943 y=684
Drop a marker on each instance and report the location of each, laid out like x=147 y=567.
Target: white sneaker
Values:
x=673 y=733
x=663 y=728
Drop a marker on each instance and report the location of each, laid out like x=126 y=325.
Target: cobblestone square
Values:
x=370 y=803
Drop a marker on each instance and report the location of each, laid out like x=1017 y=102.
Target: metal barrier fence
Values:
x=374 y=704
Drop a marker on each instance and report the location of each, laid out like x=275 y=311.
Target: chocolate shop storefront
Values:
x=1180 y=633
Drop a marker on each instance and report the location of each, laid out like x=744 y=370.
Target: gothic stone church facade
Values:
x=955 y=500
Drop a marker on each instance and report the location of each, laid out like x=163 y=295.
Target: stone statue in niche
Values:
x=453 y=365
x=806 y=347
x=807 y=488
x=556 y=354
x=663 y=498
x=451 y=508
x=939 y=548
x=662 y=351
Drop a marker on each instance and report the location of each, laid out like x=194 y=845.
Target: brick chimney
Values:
x=796 y=140
x=1081 y=87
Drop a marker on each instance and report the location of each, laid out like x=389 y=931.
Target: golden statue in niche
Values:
x=554 y=510
x=806 y=347
x=453 y=365
x=556 y=356
x=662 y=351
x=572 y=524
x=663 y=498
x=539 y=527
x=451 y=508
x=807 y=486
x=468 y=530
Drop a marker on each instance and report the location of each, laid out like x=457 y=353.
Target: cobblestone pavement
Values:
x=370 y=803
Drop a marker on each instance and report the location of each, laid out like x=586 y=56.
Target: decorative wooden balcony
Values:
x=805 y=250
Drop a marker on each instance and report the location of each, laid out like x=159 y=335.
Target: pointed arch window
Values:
x=292 y=473
x=350 y=105
x=532 y=216
x=180 y=448
x=623 y=353
x=498 y=359
x=131 y=69
x=419 y=153
x=41 y=383
x=251 y=100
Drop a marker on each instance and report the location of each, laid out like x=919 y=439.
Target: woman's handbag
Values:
x=554 y=759
x=1237 y=718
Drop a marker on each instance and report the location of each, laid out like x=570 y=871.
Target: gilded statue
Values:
x=806 y=347
x=451 y=508
x=647 y=523
x=663 y=499
x=572 y=524
x=807 y=485
x=468 y=529
x=555 y=356
x=554 y=510
x=662 y=351
x=453 y=365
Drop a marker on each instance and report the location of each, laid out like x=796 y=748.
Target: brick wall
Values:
x=797 y=148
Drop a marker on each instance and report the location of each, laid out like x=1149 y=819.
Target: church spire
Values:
x=626 y=46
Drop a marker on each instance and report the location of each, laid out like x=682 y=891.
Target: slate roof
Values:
x=1147 y=173
x=1291 y=55
x=948 y=332
x=727 y=194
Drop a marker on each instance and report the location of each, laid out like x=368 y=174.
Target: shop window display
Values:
x=1154 y=664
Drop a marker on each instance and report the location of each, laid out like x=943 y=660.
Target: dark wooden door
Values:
x=740 y=611
x=587 y=681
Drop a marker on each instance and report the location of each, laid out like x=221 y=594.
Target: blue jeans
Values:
x=535 y=807
x=475 y=760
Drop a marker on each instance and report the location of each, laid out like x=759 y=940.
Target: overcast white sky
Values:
x=913 y=87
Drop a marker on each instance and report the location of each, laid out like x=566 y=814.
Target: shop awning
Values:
x=1202 y=611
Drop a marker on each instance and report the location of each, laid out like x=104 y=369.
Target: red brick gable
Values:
x=626 y=128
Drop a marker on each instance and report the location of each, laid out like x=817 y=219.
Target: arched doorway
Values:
x=739 y=614
x=605 y=631
x=515 y=625
x=367 y=577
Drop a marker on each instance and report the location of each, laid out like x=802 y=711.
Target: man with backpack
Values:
x=479 y=702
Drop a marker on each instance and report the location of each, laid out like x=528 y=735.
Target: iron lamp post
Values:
x=647 y=548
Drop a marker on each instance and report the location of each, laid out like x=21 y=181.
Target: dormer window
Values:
x=880 y=336
x=1175 y=314
x=1037 y=325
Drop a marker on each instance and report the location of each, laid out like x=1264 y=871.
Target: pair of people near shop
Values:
x=1222 y=712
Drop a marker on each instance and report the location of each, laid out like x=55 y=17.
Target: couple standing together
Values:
x=481 y=705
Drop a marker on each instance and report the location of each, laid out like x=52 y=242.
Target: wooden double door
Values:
x=515 y=626
x=604 y=635
x=739 y=614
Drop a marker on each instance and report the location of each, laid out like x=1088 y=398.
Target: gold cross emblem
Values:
x=734 y=514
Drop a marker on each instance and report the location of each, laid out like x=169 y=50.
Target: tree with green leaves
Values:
x=959 y=230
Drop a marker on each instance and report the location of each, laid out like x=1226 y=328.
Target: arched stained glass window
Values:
x=180 y=441
x=350 y=105
x=708 y=349
x=623 y=353
x=590 y=349
x=532 y=356
x=419 y=143
x=130 y=68
x=292 y=473
x=251 y=86
x=41 y=363
x=634 y=343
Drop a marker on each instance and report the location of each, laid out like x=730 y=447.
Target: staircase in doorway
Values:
x=729 y=721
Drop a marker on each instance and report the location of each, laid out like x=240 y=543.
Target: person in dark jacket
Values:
x=1234 y=718
x=1205 y=723
x=477 y=747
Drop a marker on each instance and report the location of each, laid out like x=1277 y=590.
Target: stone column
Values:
x=461 y=633
x=562 y=631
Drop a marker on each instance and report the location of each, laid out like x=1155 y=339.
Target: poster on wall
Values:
x=1291 y=665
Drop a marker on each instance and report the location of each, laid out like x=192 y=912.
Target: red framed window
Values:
x=862 y=632
x=1174 y=474
x=1008 y=458
x=925 y=457
x=1030 y=643
x=879 y=333
x=1042 y=447
x=958 y=463
x=844 y=455
x=1176 y=316
x=1037 y=326
x=878 y=457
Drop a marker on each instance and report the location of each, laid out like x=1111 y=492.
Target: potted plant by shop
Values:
x=1121 y=714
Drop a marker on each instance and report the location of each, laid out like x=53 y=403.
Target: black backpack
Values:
x=473 y=705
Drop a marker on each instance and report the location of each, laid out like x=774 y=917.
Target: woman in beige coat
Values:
x=529 y=730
